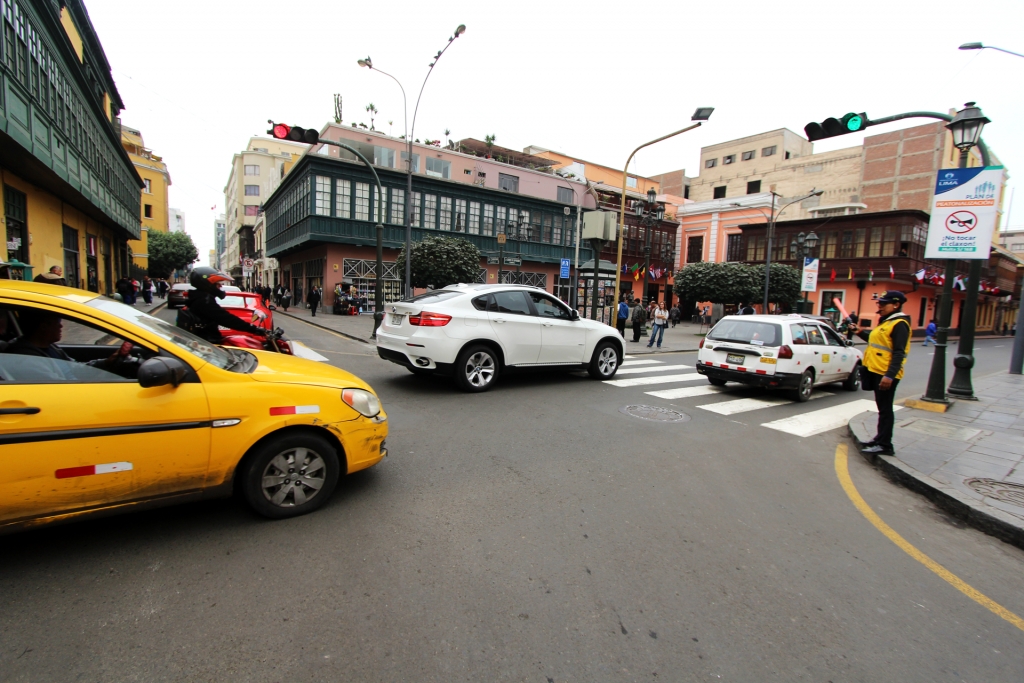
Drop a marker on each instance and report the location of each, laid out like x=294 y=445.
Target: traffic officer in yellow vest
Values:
x=888 y=345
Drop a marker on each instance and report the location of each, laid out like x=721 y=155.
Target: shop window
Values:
x=719 y=192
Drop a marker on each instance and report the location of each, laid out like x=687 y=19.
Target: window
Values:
x=415 y=161
x=813 y=334
x=460 y=215
x=787 y=155
x=509 y=183
x=430 y=211
x=565 y=195
x=513 y=217
x=149 y=186
x=382 y=156
x=511 y=302
x=829 y=241
x=397 y=206
x=686 y=192
x=323 y=196
x=501 y=221
x=711 y=163
x=252 y=190
x=251 y=169
x=343 y=199
x=745 y=331
x=481 y=303
x=547 y=307
x=147 y=210
x=467 y=171
x=379 y=204
x=631 y=182
x=768 y=151
x=488 y=219
x=474 y=218
x=446 y=212
x=753 y=186
x=417 y=206
x=362 y=201
x=546 y=230
x=556 y=236
x=17 y=231
x=252 y=210
x=747 y=156
x=719 y=192
x=695 y=249
x=755 y=248
x=734 y=248
x=728 y=159
x=71 y=257
x=439 y=168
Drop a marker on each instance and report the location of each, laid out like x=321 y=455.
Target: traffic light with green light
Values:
x=830 y=128
x=282 y=131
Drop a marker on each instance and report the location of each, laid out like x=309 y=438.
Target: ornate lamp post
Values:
x=650 y=214
x=801 y=247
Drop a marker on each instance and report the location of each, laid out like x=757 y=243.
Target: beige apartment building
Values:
x=244 y=193
x=157 y=179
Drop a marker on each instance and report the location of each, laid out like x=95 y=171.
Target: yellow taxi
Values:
x=105 y=408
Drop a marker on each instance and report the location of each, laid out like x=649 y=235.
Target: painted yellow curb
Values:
x=927 y=405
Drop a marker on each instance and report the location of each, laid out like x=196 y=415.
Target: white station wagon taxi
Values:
x=772 y=351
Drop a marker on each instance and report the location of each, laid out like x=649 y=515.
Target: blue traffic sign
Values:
x=564 y=273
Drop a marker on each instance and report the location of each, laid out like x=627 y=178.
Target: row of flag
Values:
x=932 y=277
x=638 y=270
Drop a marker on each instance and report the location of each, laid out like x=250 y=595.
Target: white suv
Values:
x=475 y=332
x=773 y=351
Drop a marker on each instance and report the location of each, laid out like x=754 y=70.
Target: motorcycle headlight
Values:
x=361 y=401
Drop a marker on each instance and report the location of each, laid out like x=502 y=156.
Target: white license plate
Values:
x=396 y=319
x=736 y=358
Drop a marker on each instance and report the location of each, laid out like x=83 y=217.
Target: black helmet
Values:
x=209 y=280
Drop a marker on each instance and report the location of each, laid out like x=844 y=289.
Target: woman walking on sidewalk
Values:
x=286 y=299
x=660 y=321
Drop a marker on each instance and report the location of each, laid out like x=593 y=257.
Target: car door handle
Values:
x=547 y=324
x=19 y=411
x=499 y=320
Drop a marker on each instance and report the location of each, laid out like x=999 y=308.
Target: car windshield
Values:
x=747 y=332
x=238 y=302
x=186 y=341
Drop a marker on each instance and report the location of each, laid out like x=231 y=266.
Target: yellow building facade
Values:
x=156 y=178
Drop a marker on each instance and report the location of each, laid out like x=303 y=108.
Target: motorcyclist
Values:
x=207 y=313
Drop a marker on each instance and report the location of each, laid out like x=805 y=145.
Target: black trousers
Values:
x=884 y=401
x=620 y=325
x=638 y=329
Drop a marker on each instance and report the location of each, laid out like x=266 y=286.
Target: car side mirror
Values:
x=161 y=371
x=849 y=342
x=574 y=314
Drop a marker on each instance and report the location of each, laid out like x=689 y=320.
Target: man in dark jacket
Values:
x=203 y=307
x=55 y=276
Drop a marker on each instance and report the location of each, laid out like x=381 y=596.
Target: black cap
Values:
x=893 y=297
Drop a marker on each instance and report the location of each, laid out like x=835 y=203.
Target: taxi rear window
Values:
x=747 y=332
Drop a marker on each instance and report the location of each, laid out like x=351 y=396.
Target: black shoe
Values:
x=878 y=449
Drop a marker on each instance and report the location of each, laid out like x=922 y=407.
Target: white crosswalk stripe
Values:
x=638 y=362
x=687 y=392
x=826 y=419
x=743 y=405
x=657 y=368
x=657 y=379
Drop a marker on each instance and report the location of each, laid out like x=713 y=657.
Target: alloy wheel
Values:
x=607 y=361
x=480 y=369
x=293 y=477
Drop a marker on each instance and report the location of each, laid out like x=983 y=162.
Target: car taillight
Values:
x=785 y=352
x=425 y=319
x=701 y=345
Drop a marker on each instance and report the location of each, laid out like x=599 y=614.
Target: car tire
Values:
x=476 y=368
x=276 y=488
x=715 y=381
x=852 y=383
x=806 y=387
x=605 y=361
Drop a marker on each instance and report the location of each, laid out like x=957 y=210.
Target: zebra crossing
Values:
x=645 y=373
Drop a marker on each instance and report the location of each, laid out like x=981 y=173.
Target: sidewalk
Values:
x=968 y=460
x=355 y=327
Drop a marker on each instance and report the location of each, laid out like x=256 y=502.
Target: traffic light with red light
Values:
x=282 y=131
x=831 y=127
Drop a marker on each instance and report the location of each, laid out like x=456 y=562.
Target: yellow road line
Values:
x=843 y=472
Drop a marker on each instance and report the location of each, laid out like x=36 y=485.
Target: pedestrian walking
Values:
x=623 y=316
x=673 y=315
x=637 y=318
x=286 y=298
x=660 y=319
x=888 y=346
x=929 y=333
x=147 y=290
x=1006 y=328
x=313 y=299
x=746 y=309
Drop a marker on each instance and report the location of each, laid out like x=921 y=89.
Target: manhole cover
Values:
x=654 y=413
x=1004 y=491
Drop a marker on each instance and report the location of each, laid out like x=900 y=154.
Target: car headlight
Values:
x=361 y=401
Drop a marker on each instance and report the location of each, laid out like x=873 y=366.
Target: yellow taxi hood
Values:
x=277 y=367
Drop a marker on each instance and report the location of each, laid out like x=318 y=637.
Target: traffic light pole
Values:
x=378 y=209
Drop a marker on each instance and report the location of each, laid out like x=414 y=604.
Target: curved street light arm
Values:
x=405 y=105
x=420 y=96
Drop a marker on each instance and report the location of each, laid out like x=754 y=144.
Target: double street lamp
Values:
x=409 y=133
x=650 y=214
x=801 y=247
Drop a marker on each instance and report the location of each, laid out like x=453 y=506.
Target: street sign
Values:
x=501 y=238
x=809 y=280
x=513 y=261
x=964 y=213
x=248 y=265
x=564 y=271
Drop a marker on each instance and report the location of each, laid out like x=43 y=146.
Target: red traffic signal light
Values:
x=282 y=131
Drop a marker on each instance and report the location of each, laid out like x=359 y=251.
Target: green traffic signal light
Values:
x=830 y=127
x=854 y=122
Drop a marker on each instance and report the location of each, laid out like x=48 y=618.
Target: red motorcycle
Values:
x=274 y=341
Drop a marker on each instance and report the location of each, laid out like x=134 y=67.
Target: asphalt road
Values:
x=531 y=533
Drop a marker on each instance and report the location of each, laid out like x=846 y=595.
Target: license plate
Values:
x=396 y=319
x=735 y=358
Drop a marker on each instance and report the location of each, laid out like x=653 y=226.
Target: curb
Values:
x=324 y=327
x=992 y=521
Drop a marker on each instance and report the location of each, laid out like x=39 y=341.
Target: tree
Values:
x=720 y=283
x=442 y=261
x=783 y=283
x=170 y=251
x=373 y=111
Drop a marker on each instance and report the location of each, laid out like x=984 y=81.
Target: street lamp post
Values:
x=979 y=46
x=409 y=133
x=701 y=114
x=802 y=245
x=650 y=214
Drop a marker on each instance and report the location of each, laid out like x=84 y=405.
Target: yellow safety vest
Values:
x=879 y=352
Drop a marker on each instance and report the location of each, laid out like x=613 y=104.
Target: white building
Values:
x=176 y=220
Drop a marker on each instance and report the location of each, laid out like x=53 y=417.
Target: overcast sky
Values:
x=592 y=79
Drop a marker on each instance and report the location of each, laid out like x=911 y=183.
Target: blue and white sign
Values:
x=964 y=213
x=564 y=272
x=809 y=278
